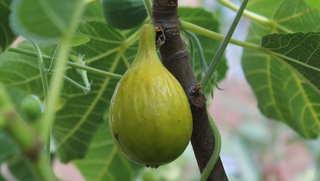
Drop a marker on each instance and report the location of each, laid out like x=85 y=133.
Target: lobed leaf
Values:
x=281 y=93
x=301 y=51
x=79 y=115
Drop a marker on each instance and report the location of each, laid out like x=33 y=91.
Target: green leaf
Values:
x=43 y=21
x=301 y=51
x=7 y=37
x=296 y=16
x=264 y=8
x=281 y=93
x=22 y=169
x=8 y=148
x=79 y=40
x=22 y=72
x=313 y=3
x=124 y=14
x=79 y=115
x=104 y=161
x=204 y=19
x=93 y=11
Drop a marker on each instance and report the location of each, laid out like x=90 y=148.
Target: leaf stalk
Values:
x=57 y=78
x=215 y=62
x=148 y=6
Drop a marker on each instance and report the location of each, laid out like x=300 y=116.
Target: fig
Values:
x=124 y=14
x=150 y=118
x=31 y=107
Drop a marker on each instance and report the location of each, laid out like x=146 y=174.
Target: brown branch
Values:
x=175 y=57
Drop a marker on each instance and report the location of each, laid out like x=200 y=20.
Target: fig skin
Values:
x=30 y=106
x=150 y=118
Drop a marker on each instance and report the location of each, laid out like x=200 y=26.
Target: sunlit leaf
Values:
x=313 y=3
x=264 y=8
x=302 y=52
x=281 y=93
x=296 y=16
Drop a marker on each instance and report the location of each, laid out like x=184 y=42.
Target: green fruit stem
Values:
x=147 y=46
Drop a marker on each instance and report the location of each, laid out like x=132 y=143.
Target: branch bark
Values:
x=175 y=57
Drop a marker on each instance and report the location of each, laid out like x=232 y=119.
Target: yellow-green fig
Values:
x=150 y=117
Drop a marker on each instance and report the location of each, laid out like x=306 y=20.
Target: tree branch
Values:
x=175 y=57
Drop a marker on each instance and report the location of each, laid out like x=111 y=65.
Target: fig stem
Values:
x=147 y=46
x=132 y=39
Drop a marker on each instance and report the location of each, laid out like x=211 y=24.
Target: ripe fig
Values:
x=150 y=118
